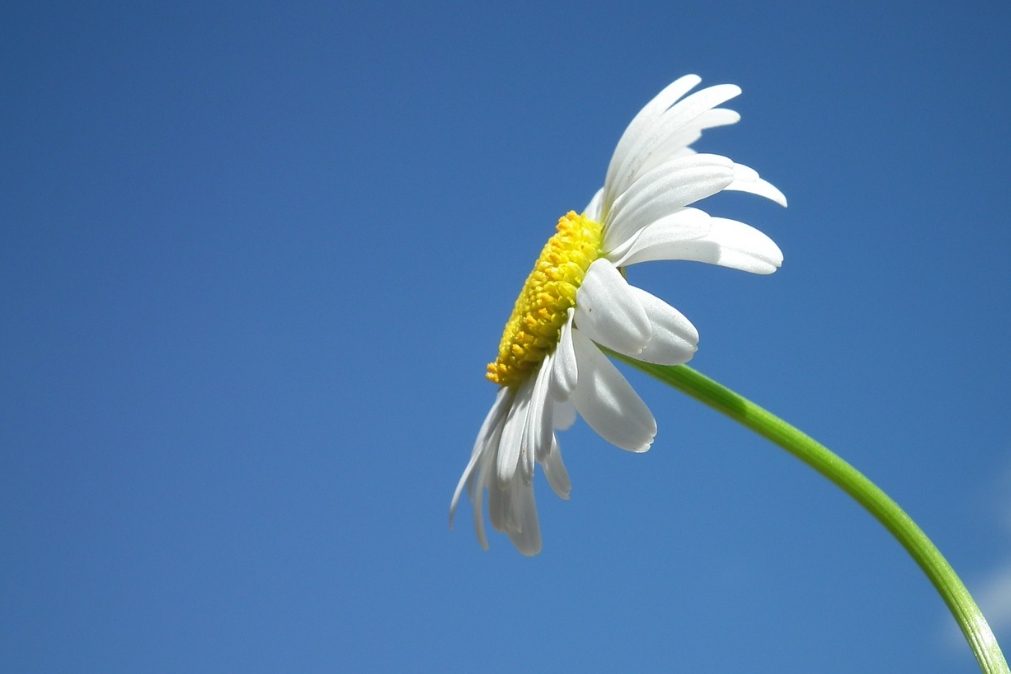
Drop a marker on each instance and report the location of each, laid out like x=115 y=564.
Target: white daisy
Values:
x=576 y=300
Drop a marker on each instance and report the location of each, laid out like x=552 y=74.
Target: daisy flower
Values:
x=550 y=366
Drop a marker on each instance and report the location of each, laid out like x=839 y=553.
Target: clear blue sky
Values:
x=255 y=257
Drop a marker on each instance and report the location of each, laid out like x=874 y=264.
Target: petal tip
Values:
x=642 y=449
x=648 y=444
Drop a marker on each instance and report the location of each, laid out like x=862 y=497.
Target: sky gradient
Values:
x=255 y=257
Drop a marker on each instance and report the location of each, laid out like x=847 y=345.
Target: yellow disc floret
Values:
x=540 y=311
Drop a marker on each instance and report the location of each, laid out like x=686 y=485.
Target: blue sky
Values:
x=255 y=257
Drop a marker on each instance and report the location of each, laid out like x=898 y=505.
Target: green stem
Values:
x=970 y=619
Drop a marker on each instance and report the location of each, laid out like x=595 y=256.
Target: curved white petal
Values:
x=718 y=117
x=482 y=460
x=499 y=505
x=667 y=171
x=592 y=210
x=554 y=470
x=663 y=191
x=746 y=179
x=682 y=118
x=688 y=110
x=733 y=244
x=608 y=312
x=564 y=371
x=564 y=415
x=539 y=429
x=675 y=340
x=492 y=421
x=464 y=480
x=524 y=529
x=741 y=246
x=477 y=487
x=644 y=119
x=676 y=144
x=512 y=433
x=652 y=242
x=607 y=402
x=512 y=509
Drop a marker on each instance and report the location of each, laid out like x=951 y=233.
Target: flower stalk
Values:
x=967 y=614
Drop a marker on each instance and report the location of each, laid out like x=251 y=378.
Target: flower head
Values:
x=576 y=299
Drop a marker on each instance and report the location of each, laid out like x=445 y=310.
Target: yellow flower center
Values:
x=550 y=290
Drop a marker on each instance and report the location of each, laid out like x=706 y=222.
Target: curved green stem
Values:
x=974 y=626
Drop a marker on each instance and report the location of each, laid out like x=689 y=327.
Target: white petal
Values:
x=727 y=243
x=730 y=244
x=681 y=121
x=491 y=421
x=592 y=210
x=554 y=470
x=607 y=402
x=512 y=433
x=652 y=242
x=608 y=312
x=539 y=425
x=667 y=171
x=694 y=111
x=524 y=529
x=663 y=191
x=564 y=413
x=564 y=371
x=675 y=340
x=498 y=504
x=718 y=117
x=464 y=480
x=700 y=103
x=669 y=148
x=746 y=179
x=644 y=119
x=676 y=144
x=476 y=489
x=743 y=247
x=482 y=460
x=512 y=509
x=686 y=135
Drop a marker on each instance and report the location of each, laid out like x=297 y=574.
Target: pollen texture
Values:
x=549 y=291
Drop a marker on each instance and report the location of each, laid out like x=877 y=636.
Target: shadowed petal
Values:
x=607 y=402
x=554 y=470
x=564 y=371
x=675 y=340
x=608 y=311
